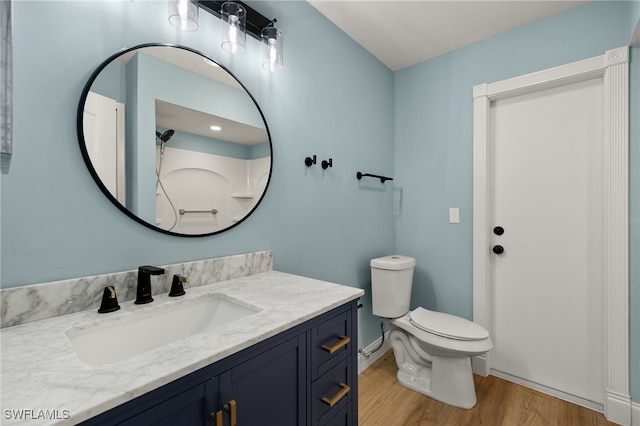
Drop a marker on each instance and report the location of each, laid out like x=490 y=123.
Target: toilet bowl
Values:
x=435 y=364
x=433 y=350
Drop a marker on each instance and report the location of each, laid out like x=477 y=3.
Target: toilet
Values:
x=433 y=350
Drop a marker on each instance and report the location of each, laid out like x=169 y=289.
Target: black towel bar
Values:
x=360 y=175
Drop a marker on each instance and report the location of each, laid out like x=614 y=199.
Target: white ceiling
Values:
x=401 y=33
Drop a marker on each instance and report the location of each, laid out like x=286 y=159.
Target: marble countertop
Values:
x=42 y=377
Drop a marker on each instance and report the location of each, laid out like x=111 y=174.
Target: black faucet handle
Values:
x=177 y=288
x=109 y=301
x=150 y=270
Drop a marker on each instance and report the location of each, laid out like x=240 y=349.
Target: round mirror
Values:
x=174 y=140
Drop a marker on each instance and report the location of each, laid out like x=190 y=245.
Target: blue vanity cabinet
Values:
x=334 y=368
x=186 y=408
x=178 y=403
x=343 y=417
x=268 y=389
x=295 y=378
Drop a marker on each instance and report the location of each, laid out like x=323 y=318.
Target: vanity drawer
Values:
x=331 y=342
x=341 y=418
x=331 y=393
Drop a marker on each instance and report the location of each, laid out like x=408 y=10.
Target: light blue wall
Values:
x=332 y=99
x=433 y=151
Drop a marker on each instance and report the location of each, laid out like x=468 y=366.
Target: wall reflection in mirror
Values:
x=174 y=140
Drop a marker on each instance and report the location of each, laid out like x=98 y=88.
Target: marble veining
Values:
x=41 y=371
x=35 y=302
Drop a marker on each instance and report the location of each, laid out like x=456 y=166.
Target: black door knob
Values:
x=498 y=249
x=498 y=230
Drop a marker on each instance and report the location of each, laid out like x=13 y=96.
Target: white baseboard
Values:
x=619 y=409
x=559 y=394
x=363 y=362
x=635 y=414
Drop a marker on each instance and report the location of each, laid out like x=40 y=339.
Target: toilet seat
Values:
x=448 y=326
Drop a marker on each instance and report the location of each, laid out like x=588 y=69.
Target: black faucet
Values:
x=143 y=293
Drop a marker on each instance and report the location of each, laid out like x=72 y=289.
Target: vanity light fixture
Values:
x=183 y=14
x=272 y=49
x=215 y=128
x=238 y=20
x=234 y=34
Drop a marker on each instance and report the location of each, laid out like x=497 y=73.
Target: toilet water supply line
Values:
x=368 y=354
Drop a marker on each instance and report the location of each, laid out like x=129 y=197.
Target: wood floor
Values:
x=384 y=402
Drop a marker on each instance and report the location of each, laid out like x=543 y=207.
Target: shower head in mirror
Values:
x=165 y=136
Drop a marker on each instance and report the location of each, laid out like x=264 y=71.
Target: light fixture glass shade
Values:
x=234 y=21
x=183 y=14
x=272 y=49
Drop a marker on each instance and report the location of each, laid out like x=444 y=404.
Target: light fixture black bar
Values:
x=255 y=21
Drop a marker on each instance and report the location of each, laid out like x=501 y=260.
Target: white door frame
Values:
x=612 y=67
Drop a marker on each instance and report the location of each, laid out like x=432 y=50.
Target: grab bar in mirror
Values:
x=183 y=211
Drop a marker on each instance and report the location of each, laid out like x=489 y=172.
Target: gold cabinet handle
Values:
x=333 y=401
x=216 y=416
x=344 y=340
x=230 y=407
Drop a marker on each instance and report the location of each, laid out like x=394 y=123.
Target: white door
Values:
x=545 y=191
x=103 y=121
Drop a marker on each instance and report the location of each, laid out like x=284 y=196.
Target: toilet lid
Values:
x=446 y=325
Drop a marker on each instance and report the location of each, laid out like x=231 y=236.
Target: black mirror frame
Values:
x=98 y=180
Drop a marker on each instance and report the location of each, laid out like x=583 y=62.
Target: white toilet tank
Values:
x=391 y=280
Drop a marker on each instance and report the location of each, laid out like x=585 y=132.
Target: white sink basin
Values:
x=119 y=337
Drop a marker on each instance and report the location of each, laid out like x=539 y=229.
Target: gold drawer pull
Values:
x=231 y=408
x=344 y=340
x=216 y=416
x=333 y=401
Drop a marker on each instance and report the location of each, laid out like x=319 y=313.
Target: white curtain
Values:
x=6 y=79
